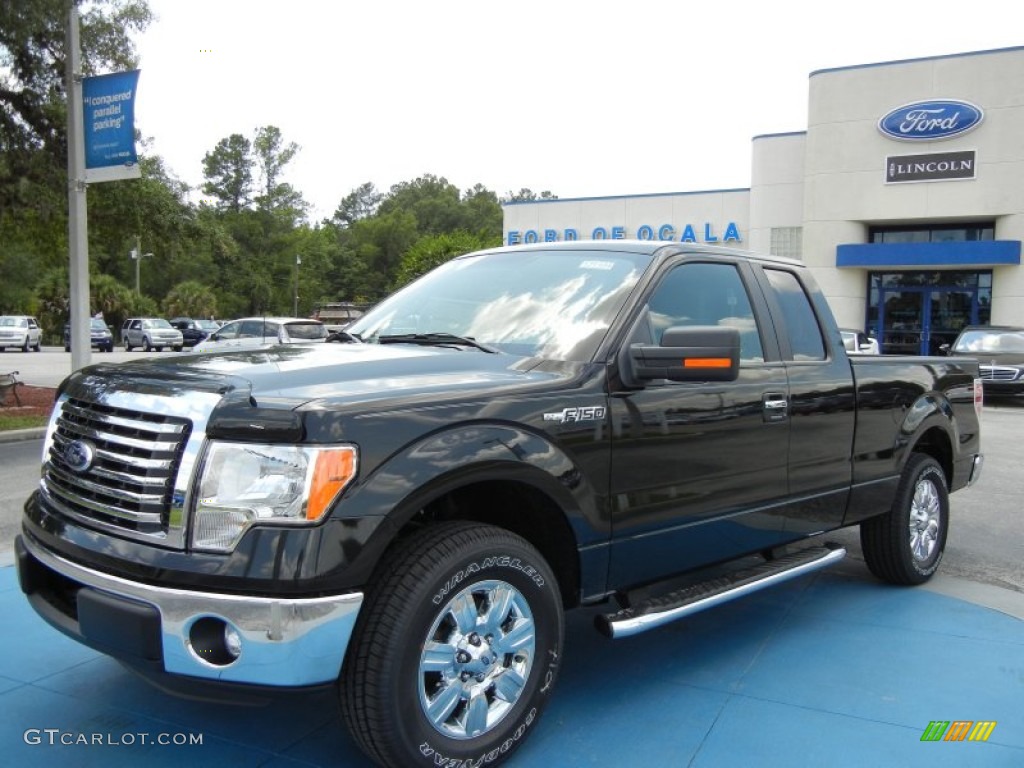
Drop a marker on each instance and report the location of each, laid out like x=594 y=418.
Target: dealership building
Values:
x=904 y=196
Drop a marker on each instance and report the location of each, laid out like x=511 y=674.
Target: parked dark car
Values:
x=1000 y=352
x=99 y=334
x=193 y=331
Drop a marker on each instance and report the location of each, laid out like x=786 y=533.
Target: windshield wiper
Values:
x=435 y=339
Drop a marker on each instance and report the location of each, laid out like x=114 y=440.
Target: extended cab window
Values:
x=705 y=294
x=801 y=322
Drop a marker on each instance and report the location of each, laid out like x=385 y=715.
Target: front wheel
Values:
x=905 y=545
x=146 y=345
x=456 y=650
x=127 y=346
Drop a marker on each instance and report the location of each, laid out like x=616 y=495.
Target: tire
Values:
x=146 y=346
x=177 y=348
x=38 y=347
x=127 y=346
x=905 y=545
x=67 y=347
x=24 y=347
x=463 y=608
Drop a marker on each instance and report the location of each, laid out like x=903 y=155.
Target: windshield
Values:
x=555 y=304
x=13 y=322
x=97 y=324
x=207 y=325
x=973 y=342
x=159 y=323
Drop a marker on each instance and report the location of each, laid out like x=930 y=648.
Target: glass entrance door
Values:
x=915 y=313
x=903 y=321
x=948 y=312
x=918 y=321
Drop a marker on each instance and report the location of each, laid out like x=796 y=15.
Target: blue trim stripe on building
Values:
x=974 y=253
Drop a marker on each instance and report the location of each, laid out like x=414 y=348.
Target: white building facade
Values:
x=905 y=196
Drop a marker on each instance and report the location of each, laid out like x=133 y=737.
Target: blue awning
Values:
x=969 y=253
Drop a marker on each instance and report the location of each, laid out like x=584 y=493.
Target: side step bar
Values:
x=657 y=611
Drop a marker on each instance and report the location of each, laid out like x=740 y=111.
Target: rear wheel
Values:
x=905 y=545
x=456 y=650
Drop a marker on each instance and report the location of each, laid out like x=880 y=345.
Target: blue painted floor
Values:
x=834 y=669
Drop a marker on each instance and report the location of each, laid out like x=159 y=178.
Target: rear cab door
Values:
x=822 y=398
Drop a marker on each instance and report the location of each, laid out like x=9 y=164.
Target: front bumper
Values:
x=284 y=642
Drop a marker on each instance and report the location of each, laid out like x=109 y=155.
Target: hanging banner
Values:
x=108 y=110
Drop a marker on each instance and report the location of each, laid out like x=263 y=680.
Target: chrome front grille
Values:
x=128 y=479
x=998 y=373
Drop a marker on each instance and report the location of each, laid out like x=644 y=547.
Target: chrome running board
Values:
x=663 y=609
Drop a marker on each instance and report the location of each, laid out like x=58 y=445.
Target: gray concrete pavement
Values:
x=48 y=367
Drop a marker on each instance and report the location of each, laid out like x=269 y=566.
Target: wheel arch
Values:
x=515 y=501
x=932 y=430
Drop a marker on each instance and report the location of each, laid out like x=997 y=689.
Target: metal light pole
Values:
x=137 y=255
x=295 y=306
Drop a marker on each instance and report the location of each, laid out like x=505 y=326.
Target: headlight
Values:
x=242 y=484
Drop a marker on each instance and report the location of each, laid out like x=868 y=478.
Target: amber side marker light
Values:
x=335 y=468
x=707 y=362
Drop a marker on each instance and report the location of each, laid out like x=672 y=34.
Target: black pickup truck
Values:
x=406 y=513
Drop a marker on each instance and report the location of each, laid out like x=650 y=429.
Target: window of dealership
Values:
x=903 y=196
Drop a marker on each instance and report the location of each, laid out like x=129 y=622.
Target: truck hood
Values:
x=322 y=375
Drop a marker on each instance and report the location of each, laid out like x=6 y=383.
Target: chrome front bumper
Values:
x=283 y=641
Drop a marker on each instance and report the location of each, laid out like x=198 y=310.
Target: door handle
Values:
x=775 y=407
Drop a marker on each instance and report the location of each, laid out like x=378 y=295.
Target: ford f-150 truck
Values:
x=406 y=512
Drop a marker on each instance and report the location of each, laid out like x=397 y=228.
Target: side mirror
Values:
x=697 y=353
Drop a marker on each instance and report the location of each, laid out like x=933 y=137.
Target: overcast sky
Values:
x=580 y=97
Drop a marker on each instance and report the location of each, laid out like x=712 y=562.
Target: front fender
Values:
x=466 y=454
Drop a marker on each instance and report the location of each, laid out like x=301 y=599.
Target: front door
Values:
x=699 y=469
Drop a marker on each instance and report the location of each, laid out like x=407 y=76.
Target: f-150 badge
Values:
x=571 y=415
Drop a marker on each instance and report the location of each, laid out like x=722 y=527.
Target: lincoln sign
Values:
x=936 y=167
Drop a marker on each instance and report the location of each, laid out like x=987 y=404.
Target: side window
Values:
x=251 y=329
x=229 y=331
x=705 y=294
x=801 y=322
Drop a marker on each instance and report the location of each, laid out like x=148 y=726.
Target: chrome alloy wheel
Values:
x=476 y=659
x=925 y=519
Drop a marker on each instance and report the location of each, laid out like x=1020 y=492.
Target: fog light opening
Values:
x=214 y=641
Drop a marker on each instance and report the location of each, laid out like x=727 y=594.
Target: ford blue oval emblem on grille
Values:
x=78 y=455
x=931 y=120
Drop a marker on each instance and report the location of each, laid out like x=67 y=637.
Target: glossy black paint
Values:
x=619 y=482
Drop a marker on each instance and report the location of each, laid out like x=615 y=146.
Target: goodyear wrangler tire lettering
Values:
x=456 y=650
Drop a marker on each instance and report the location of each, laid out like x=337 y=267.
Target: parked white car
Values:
x=255 y=332
x=20 y=331
x=858 y=342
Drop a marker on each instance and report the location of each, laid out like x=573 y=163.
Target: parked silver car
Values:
x=254 y=332
x=150 y=333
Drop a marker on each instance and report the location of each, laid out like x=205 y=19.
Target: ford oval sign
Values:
x=931 y=120
x=78 y=455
